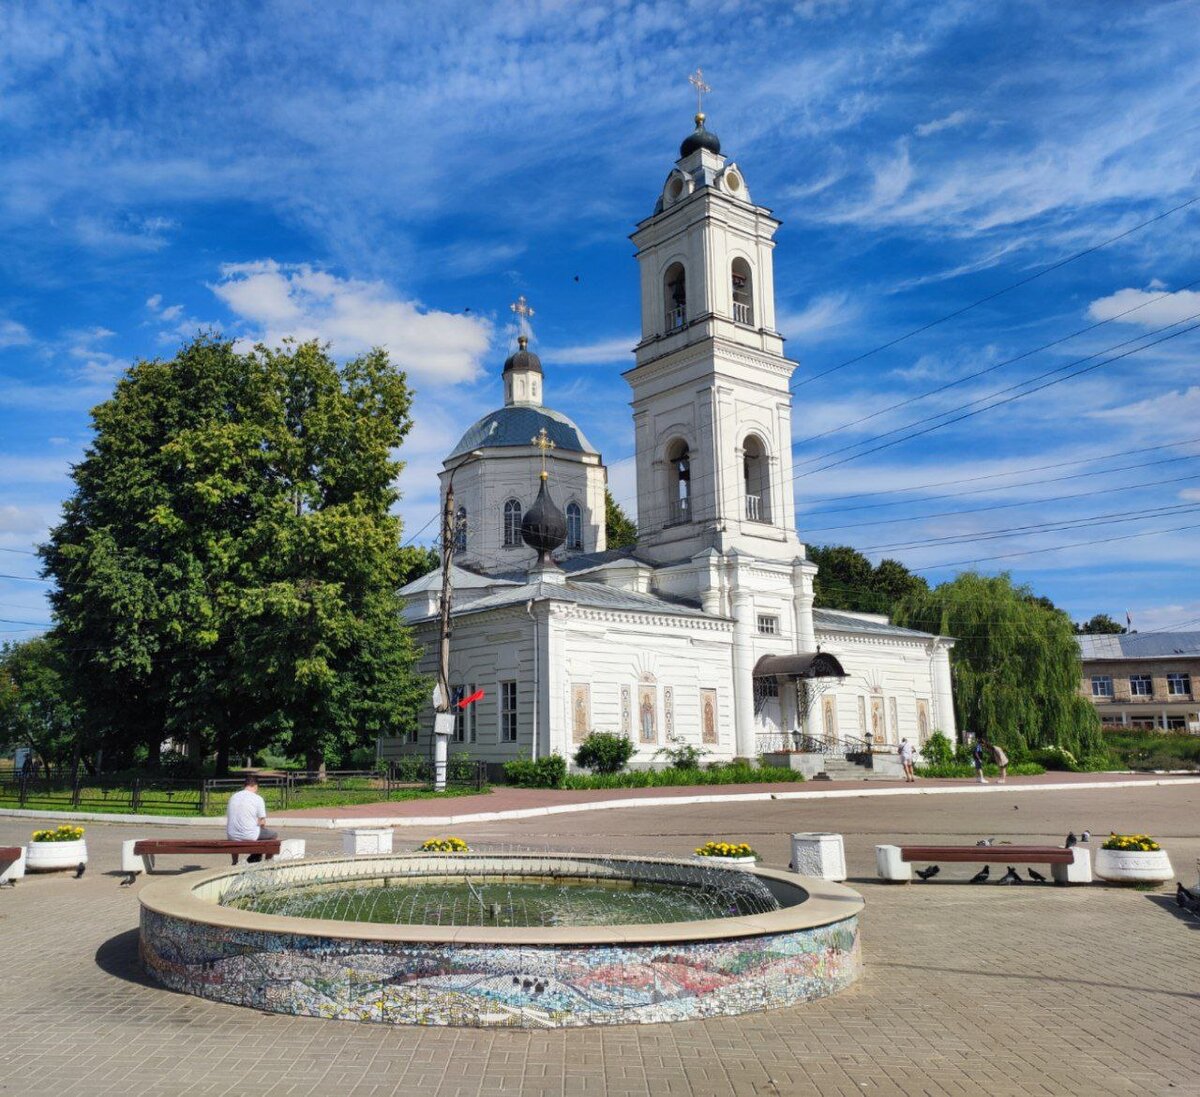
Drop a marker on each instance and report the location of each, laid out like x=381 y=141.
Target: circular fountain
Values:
x=542 y=940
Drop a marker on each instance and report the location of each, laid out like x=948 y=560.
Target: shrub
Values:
x=604 y=752
x=938 y=750
x=1054 y=758
x=545 y=772
x=683 y=757
x=963 y=769
x=408 y=768
x=728 y=773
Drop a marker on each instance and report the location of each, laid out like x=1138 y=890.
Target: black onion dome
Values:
x=700 y=138
x=544 y=526
x=523 y=360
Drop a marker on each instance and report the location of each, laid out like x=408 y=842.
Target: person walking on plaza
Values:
x=246 y=817
x=1001 y=760
x=977 y=756
x=907 y=754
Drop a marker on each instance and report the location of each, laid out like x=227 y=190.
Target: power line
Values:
x=998 y=293
x=991 y=369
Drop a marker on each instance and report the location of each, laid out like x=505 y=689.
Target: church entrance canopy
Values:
x=803 y=665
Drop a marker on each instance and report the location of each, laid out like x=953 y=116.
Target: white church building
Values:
x=705 y=632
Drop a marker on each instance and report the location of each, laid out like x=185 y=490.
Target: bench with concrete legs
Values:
x=12 y=864
x=137 y=854
x=1067 y=866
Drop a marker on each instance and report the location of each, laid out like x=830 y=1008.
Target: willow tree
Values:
x=227 y=566
x=1016 y=663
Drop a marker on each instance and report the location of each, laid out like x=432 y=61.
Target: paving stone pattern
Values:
x=966 y=990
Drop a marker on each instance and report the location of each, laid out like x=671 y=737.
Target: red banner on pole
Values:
x=476 y=696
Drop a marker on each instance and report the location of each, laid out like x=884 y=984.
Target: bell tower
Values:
x=711 y=404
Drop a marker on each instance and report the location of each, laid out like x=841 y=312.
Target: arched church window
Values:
x=512 y=523
x=675 y=296
x=460 y=530
x=756 y=476
x=574 y=526
x=743 y=291
x=679 y=487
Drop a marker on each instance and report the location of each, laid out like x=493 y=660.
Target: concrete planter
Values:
x=819 y=854
x=51 y=856
x=727 y=862
x=360 y=841
x=1118 y=866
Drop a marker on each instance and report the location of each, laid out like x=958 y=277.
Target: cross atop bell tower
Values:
x=712 y=407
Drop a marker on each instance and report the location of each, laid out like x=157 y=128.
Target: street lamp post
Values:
x=443 y=717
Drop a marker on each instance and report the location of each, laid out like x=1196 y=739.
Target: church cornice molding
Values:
x=714 y=349
x=570 y=611
x=875 y=640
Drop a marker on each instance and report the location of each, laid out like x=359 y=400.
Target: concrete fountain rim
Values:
x=193 y=898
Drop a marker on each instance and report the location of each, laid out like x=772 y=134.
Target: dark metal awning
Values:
x=817 y=664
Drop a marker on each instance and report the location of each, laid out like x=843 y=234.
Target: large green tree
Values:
x=36 y=706
x=846 y=579
x=1101 y=624
x=620 y=531
x=226 y=568
x=1016 y=664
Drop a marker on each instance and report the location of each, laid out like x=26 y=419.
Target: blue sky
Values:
x=370 y=172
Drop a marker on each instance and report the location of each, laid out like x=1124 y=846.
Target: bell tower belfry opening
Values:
x=712 y=408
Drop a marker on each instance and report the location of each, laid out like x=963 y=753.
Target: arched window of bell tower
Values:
x=679 y=483
x=675 y=297
x=757 y=479
x=743 y=291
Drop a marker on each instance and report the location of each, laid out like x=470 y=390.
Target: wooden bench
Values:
x=1068 y=866
x=147 y=849
x=12 y=863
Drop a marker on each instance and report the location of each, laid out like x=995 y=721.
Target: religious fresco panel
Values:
x=862 y=717
x=922 y=720
x=708 y=717
x=626 y=711
x=647 y=714
x=894 y=720
x=669 y=712
x=581 y=712
x=829 y=708
x=878 y=720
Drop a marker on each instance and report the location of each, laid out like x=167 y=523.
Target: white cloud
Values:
x=1182 y=615
x=1169 y=308
x=279 y=300
x=601 y=352
x=153 y=302
x=13 y=334
x=951 y=121
x=818 y=319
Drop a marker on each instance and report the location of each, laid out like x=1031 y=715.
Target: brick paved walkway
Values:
x=967 y=990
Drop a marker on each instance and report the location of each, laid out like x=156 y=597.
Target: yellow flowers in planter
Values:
x=1132 y=843
x=444 y=845
x=725 y=849
x=65 y=833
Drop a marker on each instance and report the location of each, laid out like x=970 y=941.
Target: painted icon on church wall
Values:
x=894 y=719
x=830 y=712
x=648 y=714
x=708 y=716
x=862 y=717
x=878 y=726
x=922 y=719
x=581 y=712
x=669 y=712
x=626 y=711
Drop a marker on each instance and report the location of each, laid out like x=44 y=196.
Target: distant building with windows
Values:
x=1143 y=679
x=704 y=633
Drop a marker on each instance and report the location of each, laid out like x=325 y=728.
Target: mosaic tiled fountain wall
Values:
x=598 y=978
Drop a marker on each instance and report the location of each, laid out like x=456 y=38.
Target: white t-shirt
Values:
x=906 y=752
x=242 y=816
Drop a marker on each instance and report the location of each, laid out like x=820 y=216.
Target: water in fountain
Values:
x=509 y=889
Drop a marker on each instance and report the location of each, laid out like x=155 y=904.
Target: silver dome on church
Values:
x=516 y=425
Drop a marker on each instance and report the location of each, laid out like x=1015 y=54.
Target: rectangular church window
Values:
x=768 y=624
x=508 y=712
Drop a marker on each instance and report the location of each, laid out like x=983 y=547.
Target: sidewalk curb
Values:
x=321 y=823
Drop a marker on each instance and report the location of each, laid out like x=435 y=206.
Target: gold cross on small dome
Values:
x=542 y=441
x=697 y=81
x=522 y=308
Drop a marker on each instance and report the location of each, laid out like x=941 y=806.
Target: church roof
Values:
x=596 y=595
x=460 y=579
x=835 y=621
x=517 y=425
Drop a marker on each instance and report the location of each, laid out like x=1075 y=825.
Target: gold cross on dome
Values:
x=542 y=441
x=522 y=308
x=697 y=81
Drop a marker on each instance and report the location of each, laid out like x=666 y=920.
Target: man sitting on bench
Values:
x=246 y=817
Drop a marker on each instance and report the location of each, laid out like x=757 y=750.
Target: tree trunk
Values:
x=223 y=752
x=315 y=762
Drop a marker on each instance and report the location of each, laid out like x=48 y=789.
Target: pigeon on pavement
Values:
x=981 y=875
x=986 y=842
x=928 y=873
x=1036 y=876
x=1010 y=877
x=1071 y=839
x=80 y=869
x=130 y=877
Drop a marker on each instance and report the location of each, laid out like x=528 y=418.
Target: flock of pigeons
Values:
x=1012 y=876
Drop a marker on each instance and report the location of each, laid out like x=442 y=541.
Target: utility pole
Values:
x=443 y=717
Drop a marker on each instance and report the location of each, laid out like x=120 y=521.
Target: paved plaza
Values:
x=966 y=989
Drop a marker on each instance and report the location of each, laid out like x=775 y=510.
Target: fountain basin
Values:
x=546 y=975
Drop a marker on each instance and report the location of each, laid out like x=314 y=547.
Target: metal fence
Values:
x=150 y=795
